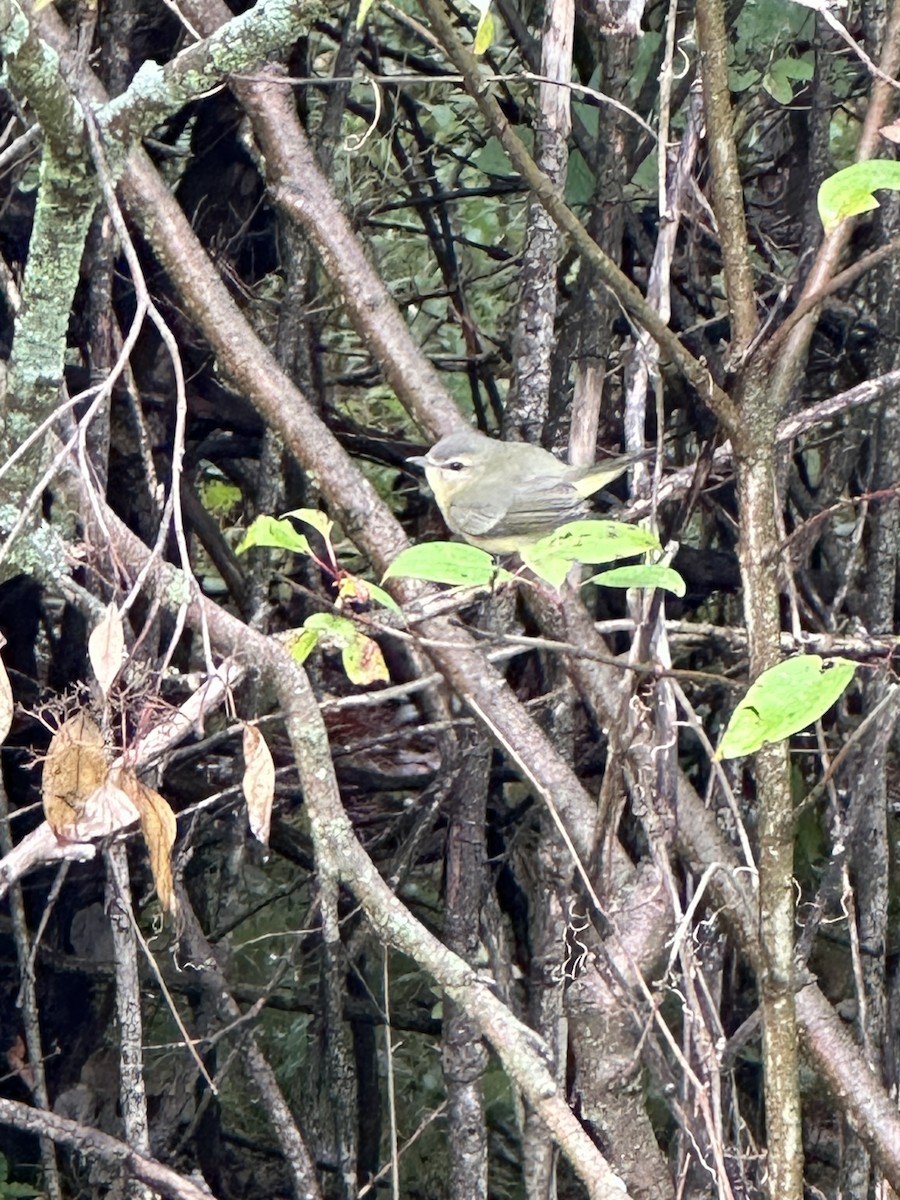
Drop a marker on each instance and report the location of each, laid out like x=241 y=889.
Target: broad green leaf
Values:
x=851 y=191
x=547 y=563
x=364 y=662
x=778 y=79
x=361 y=656
x=585 y=542
x=600 y=541
x=328 y=625
x=313 y=516
x=455 y=563
x=218 y=496
x=769 y=22
x=783 y=700
x=268 y=531
x=778 y=87
x=385 y=599
x=301 y=643
x=492 y=159
x=739 y=81
x=484 y=34
x=646 y=576
x=800 y=68
x=443 y=115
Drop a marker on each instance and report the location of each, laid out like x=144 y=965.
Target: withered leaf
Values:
x=364 y=662
x=106 y=648
x=159 y=827
x=76 y=765
x=258 y=783
x=17 y=1061
x=6 y=703
x=104 y=812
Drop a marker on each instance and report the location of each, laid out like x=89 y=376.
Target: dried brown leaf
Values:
x=76 y=765
x=106 y=648
x=258 y=783
x=17 y=1061
x=105 y=811
x=6 y=703
x=159 y=827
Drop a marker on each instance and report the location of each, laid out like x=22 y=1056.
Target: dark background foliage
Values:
x=368 y=1051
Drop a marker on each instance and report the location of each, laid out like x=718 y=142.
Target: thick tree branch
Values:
x=241 y=43
x=34 y=72
x=94 y=1144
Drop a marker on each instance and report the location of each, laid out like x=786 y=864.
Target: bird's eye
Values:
x=456 y=465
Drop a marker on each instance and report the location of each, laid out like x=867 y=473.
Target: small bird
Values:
x=501 y=496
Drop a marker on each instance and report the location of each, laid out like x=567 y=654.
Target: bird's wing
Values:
x=537 y=505
x=477 y=516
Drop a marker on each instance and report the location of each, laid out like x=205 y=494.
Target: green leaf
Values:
x=547 y=563
x=455 y=563
x=360 y=655
x=589 y=114
x=364 y=662
x=600 y=541
x=361 y=591
x=484 y=34
x=267 y=531
x=781 y=73
x=337 y=629
x=778 y=87
x=443 y=115
x=783 y=700
x=580 y=180
x=312 y=516
x=646 y=576
x=769 y=22
x=801 y=68
x=301 y=643
x=739 y=81
x=22 y=1190
x=492 y=159
x=553 y=556
x=218 y=496
x=385 y=599
x=851 y=191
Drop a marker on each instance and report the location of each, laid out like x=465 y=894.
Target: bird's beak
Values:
x=419 y=460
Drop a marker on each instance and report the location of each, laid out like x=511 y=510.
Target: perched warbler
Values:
x=505 y=495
